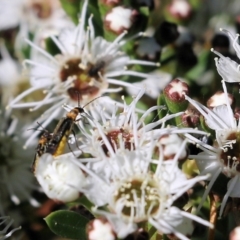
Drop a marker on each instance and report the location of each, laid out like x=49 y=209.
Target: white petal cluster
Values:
x=14 y=162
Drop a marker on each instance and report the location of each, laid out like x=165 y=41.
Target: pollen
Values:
x=231 y=152
x=84 y=77
x=141 y=199
x=115 y=136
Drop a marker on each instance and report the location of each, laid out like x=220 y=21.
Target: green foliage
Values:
x=71 y=7
x=26 y=49
x=51 y=47
x=67 y=224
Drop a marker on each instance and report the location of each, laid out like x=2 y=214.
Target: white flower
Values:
x=120 y=19
x=84 y=69
x=109 y=131
x=59 y=177
x=9 y=68
x=10 y=75
x=6 y=222
x=15 y=162
x=224 y=157
x=227 y=68
x=136 y=194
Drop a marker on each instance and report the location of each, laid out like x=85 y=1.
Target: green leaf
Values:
x=72 y=8
x=67 y=224
x=144 y=11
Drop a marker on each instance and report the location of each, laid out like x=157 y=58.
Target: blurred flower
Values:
x=29 y=15
x=227 y=68
x=10 y=75
x=235 y=234
x=148 y=48
x=6 y=222
x=9 y=68
x=14 y=162
x=180 y=9
x=111 y=2
x=120 y=19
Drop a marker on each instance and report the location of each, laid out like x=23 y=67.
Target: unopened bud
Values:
x=100 y=229
x=180 y=9
x=235 y=234
x=174 y=94
x=120 y=19
x=148 y=48
x=221 y=43
x=167 y=33
x=111 y=2
x=191 y=118
x=218 y=99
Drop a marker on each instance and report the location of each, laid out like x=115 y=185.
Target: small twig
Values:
x=213 y=216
